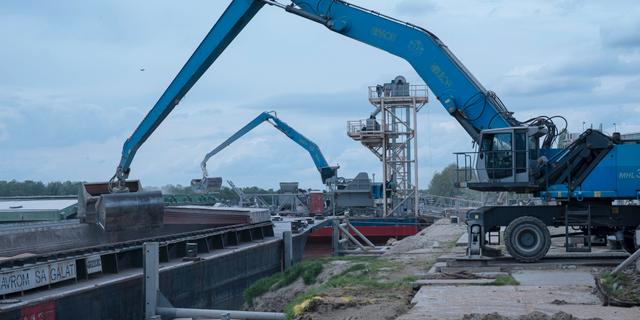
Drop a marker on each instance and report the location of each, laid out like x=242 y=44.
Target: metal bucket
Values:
x=133 y=210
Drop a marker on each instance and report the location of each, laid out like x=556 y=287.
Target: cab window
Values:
x=498 y=154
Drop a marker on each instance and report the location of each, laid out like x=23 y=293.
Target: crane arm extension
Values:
x=326 y=171
x=232 y=21
x=462 y=95
x=320 y=162
x=244 y=130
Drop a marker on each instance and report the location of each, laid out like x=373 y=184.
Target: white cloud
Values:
x=72 y=91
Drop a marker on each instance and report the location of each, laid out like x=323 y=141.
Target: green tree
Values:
x=443 y=184
x=15 y=188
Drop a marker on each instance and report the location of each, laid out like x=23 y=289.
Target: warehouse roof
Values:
x=36 y=209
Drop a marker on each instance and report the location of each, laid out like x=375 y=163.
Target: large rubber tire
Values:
x=527 y=239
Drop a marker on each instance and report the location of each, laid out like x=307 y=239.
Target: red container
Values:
x=316 y=203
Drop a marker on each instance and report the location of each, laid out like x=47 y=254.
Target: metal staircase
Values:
x=577 y=219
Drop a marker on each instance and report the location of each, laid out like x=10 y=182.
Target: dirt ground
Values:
x=433 y=239
x=347 y=301
x=382 y=290
x=277 y=300
x=385 y=287
x=411 y=257
x=358 y=304
x=531 y=316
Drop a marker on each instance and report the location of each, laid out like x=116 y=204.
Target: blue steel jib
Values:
x=232 y=21
x=326 y=172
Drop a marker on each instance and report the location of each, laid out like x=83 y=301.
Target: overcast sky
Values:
x=72 y=89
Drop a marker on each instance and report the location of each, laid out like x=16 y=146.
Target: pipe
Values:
x=627 y=262
x=218 y=314
x=358 y=233
x=304 y=14
x=354 y=240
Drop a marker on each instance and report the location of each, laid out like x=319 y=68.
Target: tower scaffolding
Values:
x=390 y=133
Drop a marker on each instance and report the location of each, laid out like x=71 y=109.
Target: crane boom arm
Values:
x=462 y=95
x=228 y=26
x=320 y=162
x=474 y=107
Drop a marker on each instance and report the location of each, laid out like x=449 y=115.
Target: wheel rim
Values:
x=528 y=239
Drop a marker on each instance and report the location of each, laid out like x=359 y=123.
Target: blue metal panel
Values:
x=603 y=176
x=376 y=190
x=551 y=153
x=628 y=170
x=617 y=176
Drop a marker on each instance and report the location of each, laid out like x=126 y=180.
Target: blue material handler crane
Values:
x=591 y=185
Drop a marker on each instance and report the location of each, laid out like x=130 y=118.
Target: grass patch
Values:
x=504 y=280
x=259 y=288
x=308 y=270
x=620 y=287
x=363 y=273
x=357 y=267
x=311 y=272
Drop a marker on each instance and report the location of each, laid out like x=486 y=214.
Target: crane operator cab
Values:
x=507 y=159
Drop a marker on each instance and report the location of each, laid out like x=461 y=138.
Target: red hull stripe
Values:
x=372 y=231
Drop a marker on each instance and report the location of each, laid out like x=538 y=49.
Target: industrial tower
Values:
x=390 y=133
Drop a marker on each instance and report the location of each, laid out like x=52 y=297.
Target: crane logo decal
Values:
x=416 y=47
x=439 y=73
x=627 y=175
x=383 y=34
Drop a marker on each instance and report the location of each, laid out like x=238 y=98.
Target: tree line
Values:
x=30 y=188
x=15 y=188
x=441 y=184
